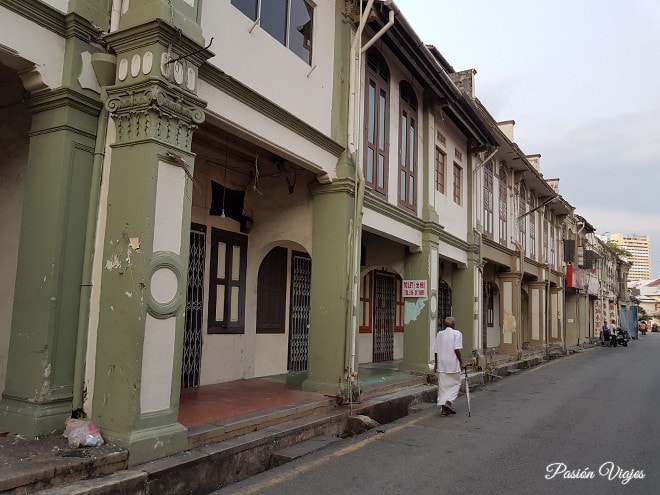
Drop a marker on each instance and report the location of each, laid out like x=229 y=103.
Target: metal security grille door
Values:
x=384 y=315
x=192 y=337
x=444 y=302
x=301 y=284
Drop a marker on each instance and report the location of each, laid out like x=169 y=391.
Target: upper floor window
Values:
x=440 y=169
x=553 y=253
x=503 y=204
x=288 y=21
x=376 y=109
x=488 y=199
x=522 y=218
x=569 y=250
x=532 y=225
x=546 y=253
x=458 y=184
x=407 y=147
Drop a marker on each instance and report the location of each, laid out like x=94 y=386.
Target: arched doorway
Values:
x=382 y=312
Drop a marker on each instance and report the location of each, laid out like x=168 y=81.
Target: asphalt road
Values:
x=584 y=424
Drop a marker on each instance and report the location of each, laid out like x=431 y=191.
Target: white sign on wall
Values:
x=414 y=288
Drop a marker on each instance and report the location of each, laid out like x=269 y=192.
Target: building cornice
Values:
x=38 y=12
x=64 y=25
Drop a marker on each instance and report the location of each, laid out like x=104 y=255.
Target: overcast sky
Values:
x=581 y=79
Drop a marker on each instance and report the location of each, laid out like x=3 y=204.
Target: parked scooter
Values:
x=622 y=337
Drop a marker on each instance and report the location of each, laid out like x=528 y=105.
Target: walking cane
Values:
x=467 y=392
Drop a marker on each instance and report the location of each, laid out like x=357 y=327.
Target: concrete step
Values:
x=231 y=428
x=302 y=449
x=210 y=467
x=121 y=482
x=49 y=462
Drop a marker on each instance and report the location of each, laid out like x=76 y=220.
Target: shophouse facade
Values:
x=181 y=212
x=519 y=217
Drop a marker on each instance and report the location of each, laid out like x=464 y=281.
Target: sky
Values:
x=581 y=79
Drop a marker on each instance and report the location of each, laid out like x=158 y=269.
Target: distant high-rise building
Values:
x=639 y=247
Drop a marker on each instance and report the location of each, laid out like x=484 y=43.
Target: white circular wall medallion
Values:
x=163 y=285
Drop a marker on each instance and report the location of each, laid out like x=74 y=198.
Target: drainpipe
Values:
x=104 y=69
x=88 y=259
x=355 y=79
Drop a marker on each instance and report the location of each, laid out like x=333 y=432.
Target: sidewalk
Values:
x=234 y=430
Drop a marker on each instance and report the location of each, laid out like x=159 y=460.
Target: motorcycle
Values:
x=622 y=338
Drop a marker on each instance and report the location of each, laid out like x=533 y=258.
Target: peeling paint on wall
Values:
x=412 y=310
x=134 y=243
x=112 y=264
x=508 y=326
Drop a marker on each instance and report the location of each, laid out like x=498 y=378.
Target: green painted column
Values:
x=37 y=396
x=329 y=328
x=464 y=297
x=181 y=14
x=145 y=253
x=420 y=314
x=96 y=11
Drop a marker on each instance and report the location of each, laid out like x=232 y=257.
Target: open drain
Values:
x=74 y=453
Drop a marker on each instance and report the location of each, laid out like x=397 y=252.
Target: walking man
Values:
x=448 y=364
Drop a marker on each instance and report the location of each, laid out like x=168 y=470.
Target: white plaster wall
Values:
x=453 y=217
x=262 y=63
x=280 y=219
x=534 y=296
x=254 y=126
x=15 y=123
x=366 y=348
x=389 y=228
x=60 y=5
x=38 y=45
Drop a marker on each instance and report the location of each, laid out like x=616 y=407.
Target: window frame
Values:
x=252 y=9
x=440 y=170
x=522 y=218
x=488 y=201
x=407 y=190
x=458 y=184
x=377 y=77
x=532 y=225
x=231 y=240
x=503 y=204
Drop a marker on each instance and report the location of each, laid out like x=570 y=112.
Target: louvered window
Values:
x=376 y=138
x=407 y=147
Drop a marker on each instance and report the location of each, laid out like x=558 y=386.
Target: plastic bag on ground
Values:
x=81 y=433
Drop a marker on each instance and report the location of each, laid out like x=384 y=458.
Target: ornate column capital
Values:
x=153 y=111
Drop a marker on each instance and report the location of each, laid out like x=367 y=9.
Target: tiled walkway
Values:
x=215 y=403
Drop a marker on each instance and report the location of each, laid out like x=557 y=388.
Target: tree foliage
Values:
x=614 y=250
